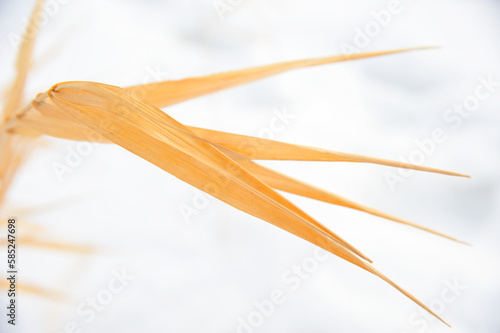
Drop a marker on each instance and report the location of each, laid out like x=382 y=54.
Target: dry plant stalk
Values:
x=221 y=164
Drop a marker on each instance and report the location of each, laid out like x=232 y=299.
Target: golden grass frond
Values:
x=206 y=161
x=43 y=116
x=148 y=132
x=288 y=184
x=218 y=163
x=13 y=150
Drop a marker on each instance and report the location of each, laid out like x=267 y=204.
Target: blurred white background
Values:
x=207 y=272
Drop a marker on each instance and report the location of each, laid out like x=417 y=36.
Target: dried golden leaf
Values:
x=265 y=149
x=288 y=184
x=15 y=93
x=146 y=131
x=14 y=150
x=167 y=93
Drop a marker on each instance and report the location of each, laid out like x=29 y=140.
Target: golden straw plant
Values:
x=221 y=164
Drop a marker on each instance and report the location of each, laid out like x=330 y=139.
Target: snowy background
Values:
x=218 y=269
